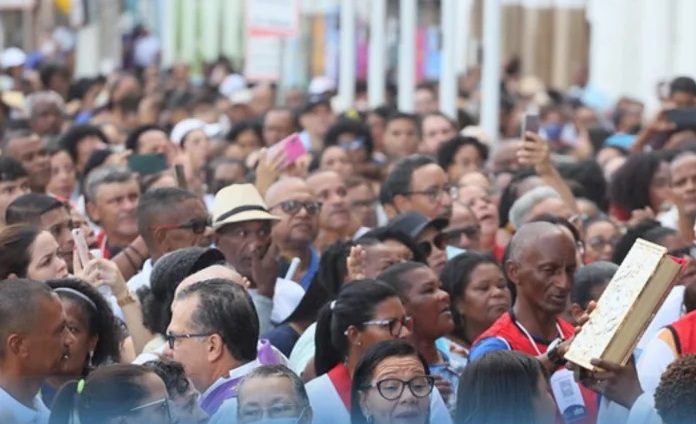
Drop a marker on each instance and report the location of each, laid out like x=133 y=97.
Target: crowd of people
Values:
x=250 y=262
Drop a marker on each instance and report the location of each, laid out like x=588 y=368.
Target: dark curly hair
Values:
x=675 y=396
x=173 y=375
x=101 y=320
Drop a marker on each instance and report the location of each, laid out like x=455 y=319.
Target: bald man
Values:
x=293 y=202
x=541 y=265
x=213 y=272
x=336 y=222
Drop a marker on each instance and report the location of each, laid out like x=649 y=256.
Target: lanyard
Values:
x=529 y=336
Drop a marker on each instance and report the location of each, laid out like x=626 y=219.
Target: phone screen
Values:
x=292 y=147
x=531 y=123
x=147 y=164
x=81 y=245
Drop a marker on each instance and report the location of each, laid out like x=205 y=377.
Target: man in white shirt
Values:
x=34 y=343
x=169 y=219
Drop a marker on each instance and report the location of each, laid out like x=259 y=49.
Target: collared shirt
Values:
x=12 y=411
x=142 y=278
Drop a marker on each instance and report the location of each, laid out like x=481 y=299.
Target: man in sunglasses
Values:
x=464 y=230
x=298 y=209
x=169 y=219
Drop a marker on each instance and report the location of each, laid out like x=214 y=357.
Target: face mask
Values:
x=553 y=131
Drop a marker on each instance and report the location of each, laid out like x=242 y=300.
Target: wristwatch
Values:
x=553 y=355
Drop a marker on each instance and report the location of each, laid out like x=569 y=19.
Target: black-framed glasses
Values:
x=395 y=325
x=470 y=231
x=197 y=225
x=426 y=246
x=434 y=194
x=393 y=388
x=172 y=337
x=291 y=207
x=162 y=407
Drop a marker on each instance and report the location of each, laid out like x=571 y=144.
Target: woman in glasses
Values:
x=365 y=312
x=505 y=387
x=113 y=394
x=478 y=296
x=391 y=385
x=601 y=236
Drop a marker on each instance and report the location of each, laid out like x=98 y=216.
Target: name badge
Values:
x=568 y=396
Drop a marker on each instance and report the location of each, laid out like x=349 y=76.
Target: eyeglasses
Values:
x=162 y=406
x=197 y=225
x=599 y=243
x=172 y=337
x=426 y=247
x=395 y=325
x=471 y=232
x=291 y=207
x=393 y=388
x=434 y=193
x=287 y=410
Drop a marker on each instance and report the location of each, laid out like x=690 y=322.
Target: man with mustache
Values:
x=242 y=224
x=336 y=222
x=541 y=264
x=293 y=202
x=112 y=195
x=34 y=341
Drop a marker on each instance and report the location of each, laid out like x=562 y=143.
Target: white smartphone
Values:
x=81 y=245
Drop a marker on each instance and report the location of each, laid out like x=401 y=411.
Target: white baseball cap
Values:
x=184 y=127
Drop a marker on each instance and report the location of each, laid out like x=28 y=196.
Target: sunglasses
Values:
x=291 y=207
x=471 y=232
x=197 y=225
x=426 y=247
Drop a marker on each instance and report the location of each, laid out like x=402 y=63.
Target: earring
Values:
x=89 y=361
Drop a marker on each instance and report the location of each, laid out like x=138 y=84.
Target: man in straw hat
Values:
x=242 y=225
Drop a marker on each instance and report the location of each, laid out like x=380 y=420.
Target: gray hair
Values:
x=266 y=371
x=105 y=175
x=47 y=96
x=522 y=206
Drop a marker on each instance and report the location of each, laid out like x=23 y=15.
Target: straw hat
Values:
x=239 y=203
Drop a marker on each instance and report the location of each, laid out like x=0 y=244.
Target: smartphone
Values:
x=292 y=146
x=180 y=176
x=81 y=245
x=530 y=124
x=147 y=164
x=683 y=118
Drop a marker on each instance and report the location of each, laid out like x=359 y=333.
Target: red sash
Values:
x=340 y=378
x=684 y=332
x=505 y=328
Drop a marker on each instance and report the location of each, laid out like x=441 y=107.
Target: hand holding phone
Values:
x=81 y=246
x=530 y=124
x=292 y=148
